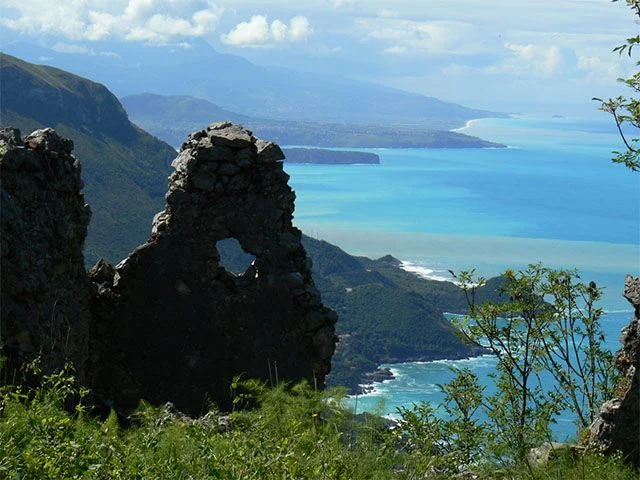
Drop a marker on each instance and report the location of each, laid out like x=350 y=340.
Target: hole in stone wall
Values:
x=232 y=257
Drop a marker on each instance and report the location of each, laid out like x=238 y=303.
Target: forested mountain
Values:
x=124 y=168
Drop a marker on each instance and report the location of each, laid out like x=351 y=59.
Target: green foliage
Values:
x=549 y=324
x=583 y=370
x=445 y=445
x=566 y=467
x=294 y=432
x=626 y=110
x=520 y=410
x=464 y=432
x=386 y=314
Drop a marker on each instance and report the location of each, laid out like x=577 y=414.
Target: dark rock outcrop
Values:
x=173 y=324
x=44 y=287
x=618 y=426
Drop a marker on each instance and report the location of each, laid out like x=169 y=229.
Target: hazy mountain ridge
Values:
x=173 y=117
x=235 y=84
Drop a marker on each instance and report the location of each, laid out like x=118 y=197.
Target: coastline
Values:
x=424 y=272
x=466 y=126
x=370 y=388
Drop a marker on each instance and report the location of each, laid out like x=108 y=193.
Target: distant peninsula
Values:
x=172 y=118
x=329 y=157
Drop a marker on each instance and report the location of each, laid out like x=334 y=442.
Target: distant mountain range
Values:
x=238 y=85
x=172 y=118
x=386 y=314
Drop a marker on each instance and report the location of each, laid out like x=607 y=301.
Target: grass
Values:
x=291 y=433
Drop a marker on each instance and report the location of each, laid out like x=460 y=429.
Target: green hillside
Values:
x=124 y=168
x=385 y=313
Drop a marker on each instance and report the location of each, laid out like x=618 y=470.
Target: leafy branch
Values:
x=623 y=109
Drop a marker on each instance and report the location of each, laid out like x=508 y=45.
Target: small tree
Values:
x=626 y=110
x=446 y=445
x=548 y=324
x=584 y=371
x=465 y=433
x=520 y=410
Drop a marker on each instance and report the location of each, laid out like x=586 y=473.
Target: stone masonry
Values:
x=173 y=325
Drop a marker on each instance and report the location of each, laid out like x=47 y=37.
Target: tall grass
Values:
x=292 y=432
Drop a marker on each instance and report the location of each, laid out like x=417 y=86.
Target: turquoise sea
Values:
x=552 y=196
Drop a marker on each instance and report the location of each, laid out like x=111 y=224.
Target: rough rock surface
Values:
x=44 y=290
x=173 y=324
x=618 y=426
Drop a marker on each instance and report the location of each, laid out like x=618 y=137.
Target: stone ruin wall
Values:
x=44 y=290
x=168 y=323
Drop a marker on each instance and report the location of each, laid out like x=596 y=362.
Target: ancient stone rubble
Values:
x=169 y=323
x=44 y=290
x=618 y=426
x=173 y=324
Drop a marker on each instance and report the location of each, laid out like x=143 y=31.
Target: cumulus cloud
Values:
x=299 y=29
x=259 y=33
x=429 y=37
x=152 y=21
x=535 y=59
x=603 y=71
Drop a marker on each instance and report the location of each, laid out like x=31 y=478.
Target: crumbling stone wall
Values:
x=173 y=324
x=44 y=289
x=618 y=426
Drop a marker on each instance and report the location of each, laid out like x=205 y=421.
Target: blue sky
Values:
x=518 y=56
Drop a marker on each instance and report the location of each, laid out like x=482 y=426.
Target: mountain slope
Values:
x=124 y=168
x=236 y=84
x=385 y=314
x=172 y=118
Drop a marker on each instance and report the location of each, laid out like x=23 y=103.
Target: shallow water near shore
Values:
x=553 y=196
x=416 y=382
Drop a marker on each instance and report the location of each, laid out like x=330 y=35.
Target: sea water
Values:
x=552 y=196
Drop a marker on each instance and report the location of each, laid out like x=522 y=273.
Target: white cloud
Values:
x=343 y=3
x=386 y=13
x=154 y=21
x=430 y=38
x=279 y=30
x=603 y=71
x=395 y=50
x=259 y=33
x=252 y=33
x=77 y=49
x=533 y=59
x=299 y=29
x=70 y=48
